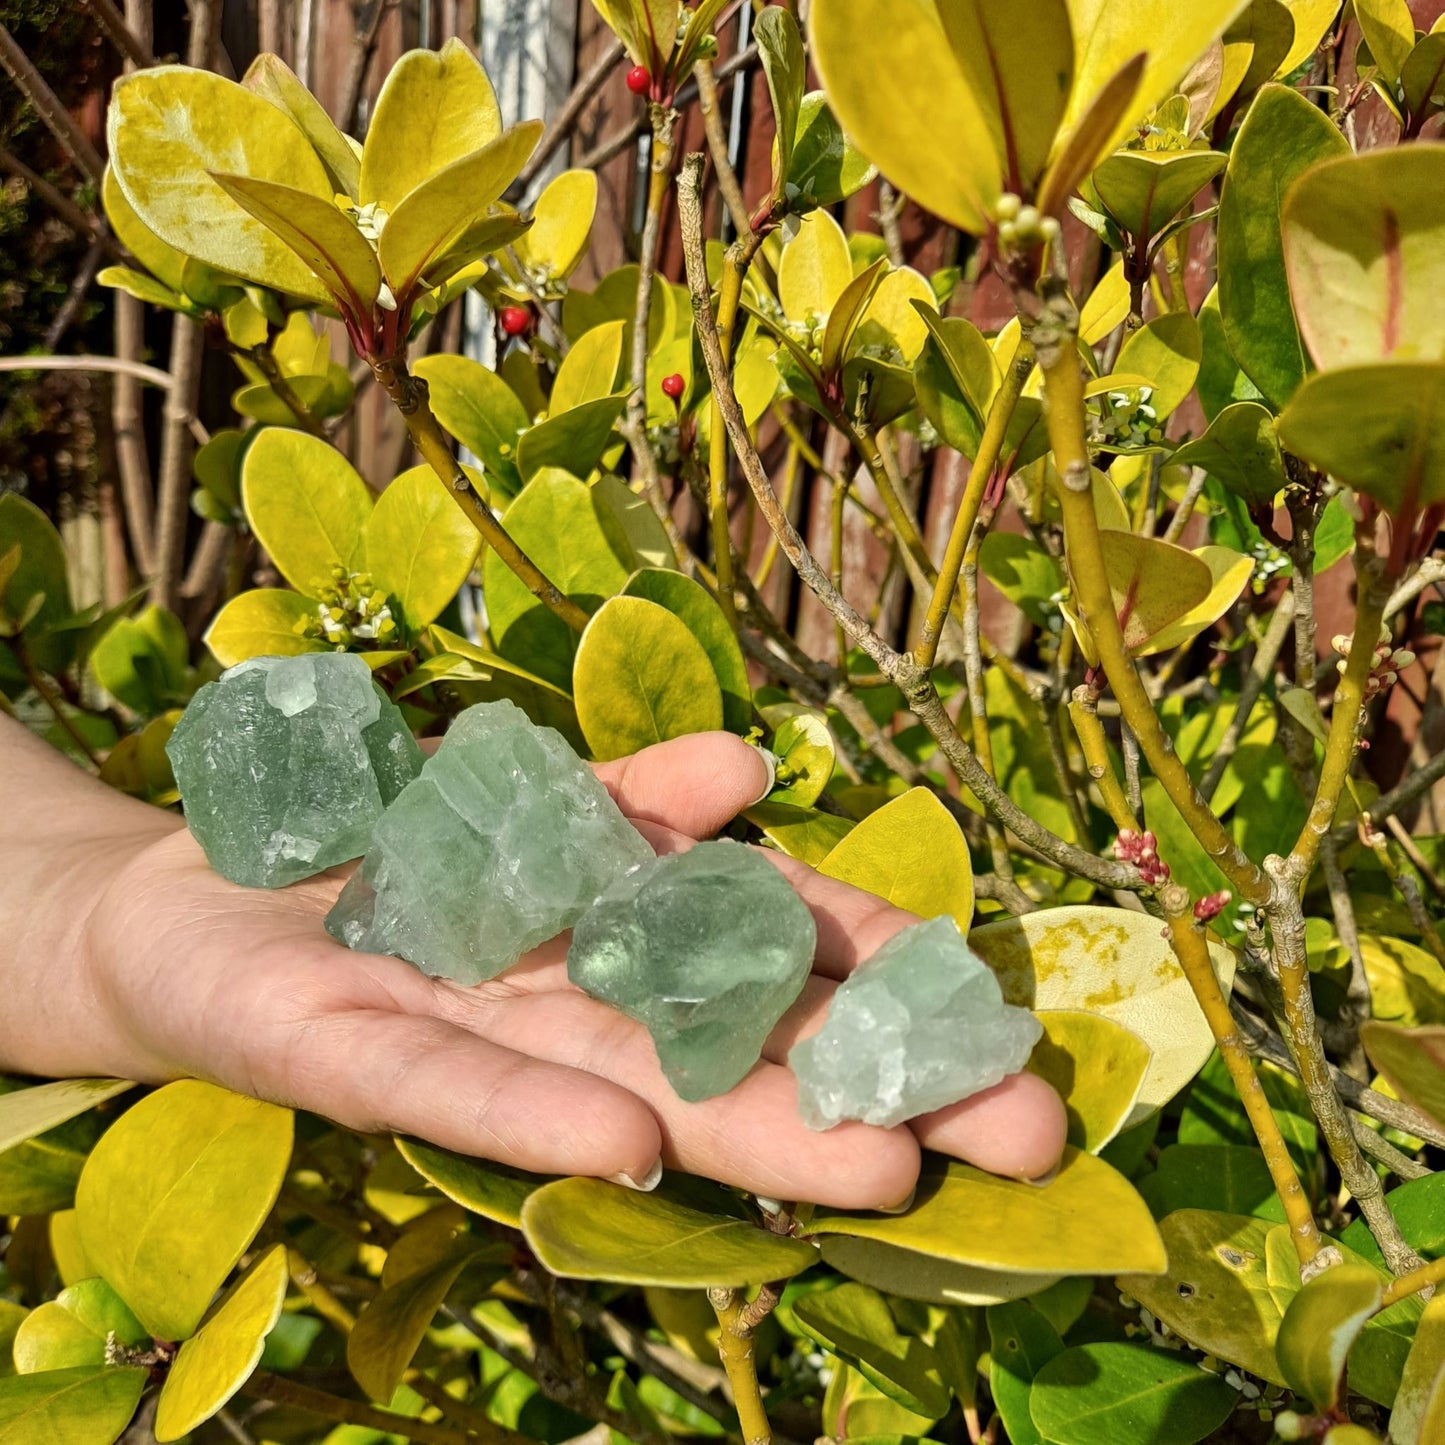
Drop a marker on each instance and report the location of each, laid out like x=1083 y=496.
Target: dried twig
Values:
x=46 y=104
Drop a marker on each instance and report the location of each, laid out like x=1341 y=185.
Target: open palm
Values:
x=198 y=976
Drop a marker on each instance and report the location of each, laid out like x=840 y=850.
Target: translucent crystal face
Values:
x=921 y=1025
x=504 y=841
x=708 y=949
x=285 y=763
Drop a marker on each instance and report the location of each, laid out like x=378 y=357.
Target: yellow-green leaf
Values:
x=1087 y=1220
x=913 y=853
x=89 y=1405
x=1229 y=572
x=573 y=441
x=434 y=108
x=174 y=1193
x=219 y=1358
x=170 y=128
x=307 y=506
x=1240 y=450
x=1114 y=962
x=815 y=269
x=802 y=833
x=1312 y=21
x=73 y=1329
x=590 y=369
x=271 y=77
x=561 y=225
x=420 y=547
x=686 y=1233
x=892 y=317
x=1144 y=190
x=641 y=677
x=1413 y=1060
x=1321 y=1324
x=1096 y=1066
x=433 y=218
x=480 y=410
x=1389 y=31
x=494 y=1191
x=1166 y=351
x=1418 y=1414
x=1106 y=307
x=924 y=1277
x=805 y=752
x=163 y=262
x=28 y=1112
x=1154 y=584
x=262 y=623
x=891 y=76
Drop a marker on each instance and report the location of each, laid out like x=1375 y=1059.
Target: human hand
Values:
x=191 y=975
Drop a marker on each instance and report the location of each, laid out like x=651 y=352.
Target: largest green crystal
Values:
x=285 y=763
x=503 y=842
x=708 y=948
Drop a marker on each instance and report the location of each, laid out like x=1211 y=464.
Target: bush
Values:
x=1180 y=864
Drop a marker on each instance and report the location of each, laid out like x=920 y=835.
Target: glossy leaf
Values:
x=1153 y=583
x=1098 y=1394
x=1021 y=1343
x=73 y=1329
x=262 y=623
x=1113 y=962
x=854 y=1323
x=1144 y=190
x=38 y=588
x=419 y=545
x=802 y=833
x=815 y=270
x=561 y=225
x=26 y=1113
x=1226 y=1178
x=827 y=167
x=163 y=262
x=780 y=49
x=494 y=1191
x=270 y=76
x=307 y=506
x=1096 y=1066
x=573 y=441
x=174 y=1193
x=1166 y=351
x=1413 y=1060
x=1087 y=1220
x=1024 y=572
x=89 y=1405
x=1241 y=451
x=805 y=752
x=170 y=128
x=220 y=1357
x=1283 y=135
x=894 y=316
x=480 y=410
x=686 y=1233
x=1321 y=1324
x=1229 y=573
x=913 y=853
x=640 y=524
x=141 y=660
x=1418 y=1414
x=690 y=602
x=435 y=107
x=1389 y=30
x=590 y=369
x=910 y=1274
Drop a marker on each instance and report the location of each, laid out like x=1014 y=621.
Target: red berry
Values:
x=516 y=320
x=639 y=80
x=673 y=386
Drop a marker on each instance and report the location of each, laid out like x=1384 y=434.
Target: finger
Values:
x=752 y=1137
x=692 y=784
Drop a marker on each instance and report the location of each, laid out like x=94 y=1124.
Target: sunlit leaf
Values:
x=1321 y=1324
x=1413 y=1060
x=264 y=622
x=91 y=1403
x=1096 y=1066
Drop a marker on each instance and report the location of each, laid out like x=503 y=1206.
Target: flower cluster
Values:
x=349 y=610
x=1389 y=661
x=1142 y=850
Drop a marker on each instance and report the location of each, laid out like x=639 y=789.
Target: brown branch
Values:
x=128 y=421
x=565 y=120
x=87 y=226
x=125 y=40
x=717 y=144
x=362 y=49
x=173 y=507
x=47 y=106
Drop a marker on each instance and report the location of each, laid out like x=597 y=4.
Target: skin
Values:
x=122 y=953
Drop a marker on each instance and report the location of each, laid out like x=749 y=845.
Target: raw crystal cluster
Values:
x=285 y=763
x=920 y=1025
x=708 y=949
x=504 y=841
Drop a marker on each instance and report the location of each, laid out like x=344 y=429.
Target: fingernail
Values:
x=1041 y=1181
x=770 y=761
x=904 y=1207
x=645 y=1185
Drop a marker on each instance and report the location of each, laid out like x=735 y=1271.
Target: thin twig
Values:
x=562 y=124
x=45 y=103
x=84 y=225
x=136 y=50
x=717 y=144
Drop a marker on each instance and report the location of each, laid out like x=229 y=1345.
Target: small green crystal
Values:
x=504 y=841
x=921 y=1025
x=285 y=763
x=708 y=949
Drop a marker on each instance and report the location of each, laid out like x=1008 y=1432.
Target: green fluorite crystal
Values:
x=708 y=949
x=285 y=763
x=922 y=1024
x=504 y=841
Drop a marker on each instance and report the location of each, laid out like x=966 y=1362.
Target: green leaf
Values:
x=74 y=1328
x=1144 y=190
x=1113 y=962
x=686 y=1233
x=220 y=1357
x=590 y=369
x=1087 y=1220
x=805 y=752
x=1422 y=75
x=692 y=604
x=854 y=1323
x=1321 y=1324
x=895 y=316
x=1021 y=1343
x=1413 y=1060
x=41 y=571
x=780 y=48
x=1229 y=573
x=144 y=288
x=561 y=225
x=799 y=832
x=163 y=262
x=641 y=677
x=141 y=661
x=1419 y=1210
x=1241 y=451
x=307 y=506
x=480 y=410
x=494 y=1191
x=170 y=128
x=913 y=853
x=1389 y=31
x=826 y=166
x=920 y=90
x=910 y=1274
x=1227 y=1178
x=11 y=1316
x=1024 y=572
x=1373 y=427
x=573 y=441
x=90 y=1405
x=39 y=1175
x=174 y=1193
x=435 y=108
x=271 y=77
x=1362 y=242
x=1167 y=352
x=419 y=545
x=318 y=232
x=26 y=1113
x=433 y=218
x=816 y=268
x=1418 y=1414
x=262 y=623
x=1283 y=135
x=1220 y=379
x=1099 y=1394
x=1097 y=1068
